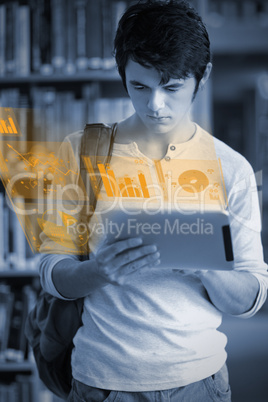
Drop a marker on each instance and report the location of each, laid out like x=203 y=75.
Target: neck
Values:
x=132 y=129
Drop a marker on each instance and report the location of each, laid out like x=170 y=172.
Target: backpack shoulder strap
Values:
x=97 y=140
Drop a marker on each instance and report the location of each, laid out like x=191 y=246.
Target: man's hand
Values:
x=232 y=292
x=114 y=262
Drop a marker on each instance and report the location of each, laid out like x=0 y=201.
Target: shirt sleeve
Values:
x=47 y=263
x=63 y=228
x=245 y=223
x=59 y=238
x=261 y=298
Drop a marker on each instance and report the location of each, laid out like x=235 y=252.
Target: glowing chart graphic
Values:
x=45 y=189
x=40 y=177
x=8 y=122
x=126 y=178
x=31 y=173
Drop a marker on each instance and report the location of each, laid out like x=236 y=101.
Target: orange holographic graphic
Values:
x=105 y=179
x=126 y=178
x=43 y=183
x=190 y=181
x=29 y=169
x=8 y=122
x=40 y=178
x=193 y=181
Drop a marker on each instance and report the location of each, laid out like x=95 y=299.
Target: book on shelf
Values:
x=230 y=11
x=117 y=10
x=6 y=306
x=15 y=305
x=94 y=34
x=9 y=97
x=23 y=115
x=6 y=232
x=45 y=36
x=2 y=38
x=19 y=389
x=42 y=36
x=111 y=14
x=247 y=12
x=58 y=21
x=107 y=35
x=70 y=42
x=15 y=250
x=9 y=392
x=10 y=37
x=35 y=36
x=81 y=37
x=57 y=36
x=14 y=39
x=2 y=233
x=22 y=41
x=56 y=113
x=90 y=92
x=17 y=342
x=18 y=247
x=109 y=110
x=24 y=386
x=248 y=9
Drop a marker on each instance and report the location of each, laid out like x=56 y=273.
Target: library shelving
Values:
x=18 y=375
x=56 y=73
x=236 y=27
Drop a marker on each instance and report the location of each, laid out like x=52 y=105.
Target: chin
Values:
x=160 y=128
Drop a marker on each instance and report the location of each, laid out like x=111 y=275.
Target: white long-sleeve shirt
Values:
x=159 y=330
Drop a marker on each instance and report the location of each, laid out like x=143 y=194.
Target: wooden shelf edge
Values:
x=9 y=273
x=98 y=75
x=16 y=366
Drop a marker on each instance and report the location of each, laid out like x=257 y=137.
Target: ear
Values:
x=206 y=75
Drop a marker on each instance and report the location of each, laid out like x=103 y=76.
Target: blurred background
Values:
x=56 y=74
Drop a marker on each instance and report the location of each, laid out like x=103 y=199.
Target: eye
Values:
x=172 y=89
x=139 y=87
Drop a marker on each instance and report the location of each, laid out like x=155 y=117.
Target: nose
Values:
x=156 y=101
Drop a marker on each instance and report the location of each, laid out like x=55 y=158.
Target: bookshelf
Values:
x=65 y=75
x=57 y=72
x=236 y=27
x=239 y=80
x=18 y=374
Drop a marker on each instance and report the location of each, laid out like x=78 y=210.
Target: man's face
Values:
x=161 y=108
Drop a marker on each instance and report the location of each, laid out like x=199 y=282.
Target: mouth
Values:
x=158 y=118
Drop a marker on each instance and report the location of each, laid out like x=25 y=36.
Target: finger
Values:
x=201 y=273
x=118 y=247
x=153 y=264
x=149 y=260
x=133 y=254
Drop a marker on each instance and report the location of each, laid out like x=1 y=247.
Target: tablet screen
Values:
x=185 y=241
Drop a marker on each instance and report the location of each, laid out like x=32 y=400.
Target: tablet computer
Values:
x=196 y=240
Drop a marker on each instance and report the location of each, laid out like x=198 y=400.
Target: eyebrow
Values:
x=134 y=82
x=174 y=85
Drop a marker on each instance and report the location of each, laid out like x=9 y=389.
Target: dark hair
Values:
x=167 y=35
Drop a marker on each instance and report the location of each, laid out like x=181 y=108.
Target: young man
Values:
x=148 y=333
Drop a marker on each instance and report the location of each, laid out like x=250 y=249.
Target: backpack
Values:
x=48 y=327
